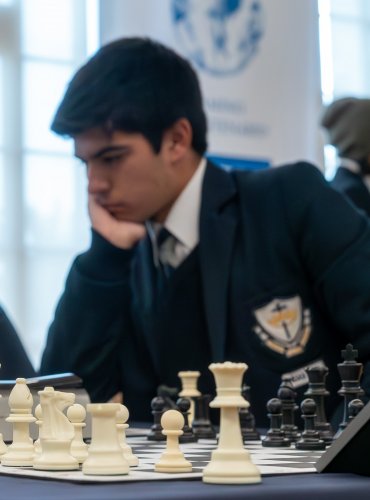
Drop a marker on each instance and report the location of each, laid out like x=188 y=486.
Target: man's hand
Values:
x=121 y=234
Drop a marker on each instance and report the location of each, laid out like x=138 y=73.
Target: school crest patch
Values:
x=283 y=325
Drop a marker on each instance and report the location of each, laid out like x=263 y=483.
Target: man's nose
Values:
x=97 y=183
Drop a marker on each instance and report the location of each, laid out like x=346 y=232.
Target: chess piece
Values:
x=76 y=415
x=188 y=436
x=350 y=373
x=122 y=425
x=172 y=459
x=275 y=437
x=310 y=439
x=247 y=420
x=317 y=391
x=354 y=408
x=169 y=394
x=21 y=451
x=287 y=396
x=230 y=462
x=3 y=446
x=38 y=415
x=189 y=381
x=155 y=434
x=56 y=432
x=202 y=426
x=105 y=455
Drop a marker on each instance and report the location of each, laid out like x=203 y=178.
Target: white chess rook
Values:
x=105 y=456
x=230 y=462
x=189 y=380
x=21 y=451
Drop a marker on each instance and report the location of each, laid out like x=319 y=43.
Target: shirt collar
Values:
x=183 y=219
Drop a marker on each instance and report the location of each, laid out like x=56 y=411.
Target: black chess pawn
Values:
x=188 y=436
x=350 y=373
x=155 y=434
x=310 y=439
x=318 y=392
x=202 y=426
x=275 y=437
x=247 y=420
x=287 y=396
x=354 y=408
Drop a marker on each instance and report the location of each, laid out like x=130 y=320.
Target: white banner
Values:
x=258 y=64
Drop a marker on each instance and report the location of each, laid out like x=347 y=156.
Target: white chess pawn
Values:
x=21 y=451
x=105 y=455
x=76 y=415
x=122 y=417
x=38 y=415
x=172 y=459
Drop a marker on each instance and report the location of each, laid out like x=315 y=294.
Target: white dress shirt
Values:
x=182 y=222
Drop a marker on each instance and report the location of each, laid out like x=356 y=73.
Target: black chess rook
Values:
x=318 y=392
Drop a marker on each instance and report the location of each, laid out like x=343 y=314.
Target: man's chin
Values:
x=127 y=218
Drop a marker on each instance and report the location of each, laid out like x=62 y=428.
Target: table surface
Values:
x=288 y=487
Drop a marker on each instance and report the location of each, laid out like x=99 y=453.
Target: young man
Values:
x=270 y=267
x=347 y=122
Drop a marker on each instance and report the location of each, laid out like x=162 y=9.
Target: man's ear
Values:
x=178 y=139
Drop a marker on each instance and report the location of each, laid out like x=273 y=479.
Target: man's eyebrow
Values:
x=103 y=151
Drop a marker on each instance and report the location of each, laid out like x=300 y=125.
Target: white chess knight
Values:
x=21 y=451
x=230 y=462
x=56 y=432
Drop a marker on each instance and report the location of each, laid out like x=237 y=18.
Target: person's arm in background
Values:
x=92 y=334
x=13 y=358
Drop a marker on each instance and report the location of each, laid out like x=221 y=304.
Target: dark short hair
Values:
x=133 y=85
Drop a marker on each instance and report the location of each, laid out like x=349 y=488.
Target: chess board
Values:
x=270 y=461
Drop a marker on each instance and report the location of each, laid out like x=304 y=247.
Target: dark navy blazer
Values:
x=269 y=235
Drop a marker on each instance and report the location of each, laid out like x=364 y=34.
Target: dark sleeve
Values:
x=92 y=316
x=352 y=186
x=13 y=358
x=334 y=245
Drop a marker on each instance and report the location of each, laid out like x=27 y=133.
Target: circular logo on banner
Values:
x=219 y=36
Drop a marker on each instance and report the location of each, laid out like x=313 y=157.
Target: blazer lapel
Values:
x=218 y=222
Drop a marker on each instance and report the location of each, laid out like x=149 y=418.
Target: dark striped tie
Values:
x=164 y=267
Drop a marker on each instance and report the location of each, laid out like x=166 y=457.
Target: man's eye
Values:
x=111 y=159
